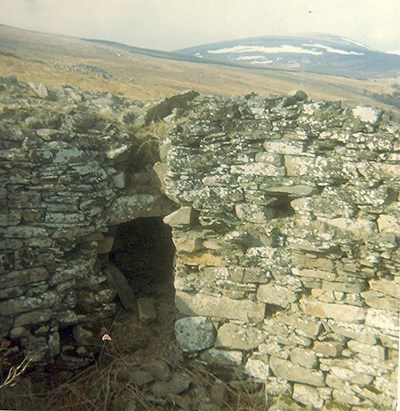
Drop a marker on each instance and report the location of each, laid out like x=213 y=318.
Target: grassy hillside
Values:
x=54 y=59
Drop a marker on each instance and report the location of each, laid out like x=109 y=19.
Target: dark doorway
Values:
x=143 y=250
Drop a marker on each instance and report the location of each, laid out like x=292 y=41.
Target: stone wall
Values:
x=287 y=230
x=70 y=168
x=287 y=242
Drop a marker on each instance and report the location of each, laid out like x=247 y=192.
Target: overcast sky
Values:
x=173 y=24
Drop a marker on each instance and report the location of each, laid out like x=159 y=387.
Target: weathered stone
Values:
x=355 y=331
x=104 y=246
x=328 y=348
x=304 y=358
x=278 y=387
x=366 y=114
x=175 y=385
x=382 y=319
x=348 y=287
x=24 y=304
x=222 y=307
x=22 y=277
x=275 y=294
x=13 y=292
x=307 y=395
x=33 y=317
x=239 y=338
x=255 y=275
x=195 y=333
x=126 y=208
x=140 y=377
x=288 y=371
x=293 y=191
x=346 y=374
x=269 y=158
x=64 y=218
x=188 y=245
x=201 y=259
x=346 y=397
x=121 y=285
x=325 y=296
x=358 y=228
x=10 y=218
x=320 y=167
x=386 y=286
x=303 y=325
x=291 y=340
x=323 y=275
x=39 y=89
x=381 y=301
x=257 y=367
x=222 y=357
x=375 y=351
x=299 y=95
x=339 y=312
x=158 y=369
x=254 y=213
x=389 y=341
x=182 y=217
x=386 y=386
x=370 y=395
x=258 y=169
x=358 y=371
x=119 y=180
x=146 y=310
x=284 y=147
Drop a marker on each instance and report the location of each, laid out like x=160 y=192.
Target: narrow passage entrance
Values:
x=143 y=250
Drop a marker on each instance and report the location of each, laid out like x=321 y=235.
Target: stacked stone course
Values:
x=293 y=246
x=287 y=232
x=64 y=181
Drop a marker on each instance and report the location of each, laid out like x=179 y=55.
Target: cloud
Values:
x=173 y=24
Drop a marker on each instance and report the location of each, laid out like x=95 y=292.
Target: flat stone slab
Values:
x=237 y=337
x=222 y=307
x=289 y=371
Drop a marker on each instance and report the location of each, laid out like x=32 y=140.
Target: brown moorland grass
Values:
x=50 y=59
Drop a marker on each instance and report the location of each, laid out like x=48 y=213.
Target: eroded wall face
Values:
x=70 y=169
x=288 y=244
x=287 y=234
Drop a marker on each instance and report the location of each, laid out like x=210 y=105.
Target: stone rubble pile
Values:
x=162 y=386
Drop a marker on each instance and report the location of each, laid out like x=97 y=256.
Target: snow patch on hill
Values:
x=333 y=50
x=285 y=48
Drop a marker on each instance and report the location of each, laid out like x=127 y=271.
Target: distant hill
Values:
x=103 y=66
x=317 y=53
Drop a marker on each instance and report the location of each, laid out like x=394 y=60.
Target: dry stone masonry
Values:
x=288 y=243
x=69 y=170
x=285 y=215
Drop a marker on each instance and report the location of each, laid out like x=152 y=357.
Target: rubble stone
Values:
x=284 y=214
x=195 y=333
x=237 y=338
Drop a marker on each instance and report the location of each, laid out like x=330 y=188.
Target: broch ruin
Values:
x=276 y=219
